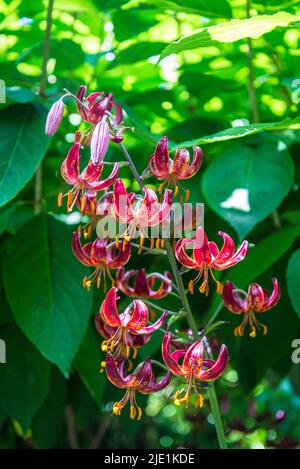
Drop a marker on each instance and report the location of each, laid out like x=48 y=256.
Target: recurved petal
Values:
x=104 y=330
x=227 y=250
x=98 y=251
x=141 y=284
x=168 y=357
x=256 y=297
x=160 y=159
x=119 y=112
x=144 y=375
x=193 y=358
x=237 y=257
x=138 y=318
x=217 y=369
x=153 y=327
x=70 y=166
x=232 y=301
x=153 y=386
x=118 y=260
x=82 y=253
x=123 y=279
x=108 y=311
x=122 y=203
x=201 y=250
x=194 y=166
x=80 y=108
x=113 y=374
x=181 y=254
x=272 y=300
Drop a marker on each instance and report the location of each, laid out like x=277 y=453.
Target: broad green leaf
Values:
x=130 y=23
x=87 y=364
x=213 y=8
x=24 y=377
x=293 y=280
x=48 y=423
x=244 y=190
x=242 y=131
x=23 y=144
x=137 y=52
x=231 y=31
x=43 y=283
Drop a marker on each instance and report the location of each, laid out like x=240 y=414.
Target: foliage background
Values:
x=51 y=393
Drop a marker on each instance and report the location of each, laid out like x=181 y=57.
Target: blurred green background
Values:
x=236 y=97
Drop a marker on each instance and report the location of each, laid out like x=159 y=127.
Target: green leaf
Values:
x=137 y=52
x=23 y=144
x=130 y=23
x=231 y=31
x=245 y=190
x=48 y=423
x=43 y=283
x=213 y=8
x=87 y=364
x=242 y=131
x=293 y=280
x=24 y=377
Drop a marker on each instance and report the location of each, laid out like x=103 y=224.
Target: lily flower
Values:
x=195 y=368
x=207 y=256
x=144 y=283
x=142 y=380
x=256 y=300
x=86 y=183
x=172 y=171
x=96 y=105
x=124 y=329
x=102 y=255
x=139 y=214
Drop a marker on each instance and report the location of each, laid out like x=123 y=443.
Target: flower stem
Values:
x=185 y=303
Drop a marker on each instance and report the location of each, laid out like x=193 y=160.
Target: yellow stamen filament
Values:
x=70 y=200
x=117 y=241
x=187 y=195
x=191 y=287
x=157 y=243
x=176 y=191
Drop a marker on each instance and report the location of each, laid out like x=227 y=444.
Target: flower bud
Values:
x=54 y=117
x=99 y=141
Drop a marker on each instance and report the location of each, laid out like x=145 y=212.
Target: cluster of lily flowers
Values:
x=127 y=331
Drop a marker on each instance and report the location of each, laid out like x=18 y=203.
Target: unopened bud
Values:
x=100 y=141
x=54 y=117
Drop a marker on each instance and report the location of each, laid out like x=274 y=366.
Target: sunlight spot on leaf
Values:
x=239 y=199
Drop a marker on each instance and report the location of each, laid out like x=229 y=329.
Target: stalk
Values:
x=213 y=400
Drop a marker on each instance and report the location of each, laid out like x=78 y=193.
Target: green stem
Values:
x=185 y=303
x=215 y=409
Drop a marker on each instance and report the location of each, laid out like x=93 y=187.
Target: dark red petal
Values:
x=256 y=297
x=122 y=203
x=171 y=362
x=232 y=300
x=217 y=369
x=141 y=287
x=70 y=166
x=273 y=299
x=193 y=359
x=154 y=327
x=201 y=250
x=194 y=166
x=138 y=316
x=113 y=373
x=80 y=108
x=79 y=251
x=108 y=311
x=161 y=158
x=105 y=183
x=182 y=256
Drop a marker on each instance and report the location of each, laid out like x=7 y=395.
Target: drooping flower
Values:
x=101 y=254
x=86 y=183
x=139 y=214
x=207 y=256
x=256 y=300
x=54 y=117
x=195 y=368
x=126 y=330
x=172 y=171
x=96 y=105
x=142 y=380
x=144 y=284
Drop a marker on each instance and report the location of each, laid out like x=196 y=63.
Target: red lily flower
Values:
x=256 y=300
x=139 y=214
x=101 y=255
x=194 y=367
x=97 y=104
x=144 y=283
x=86 y=183
x=171 y=171
x=206 y=256
x=142 y=380
x=123 y=330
